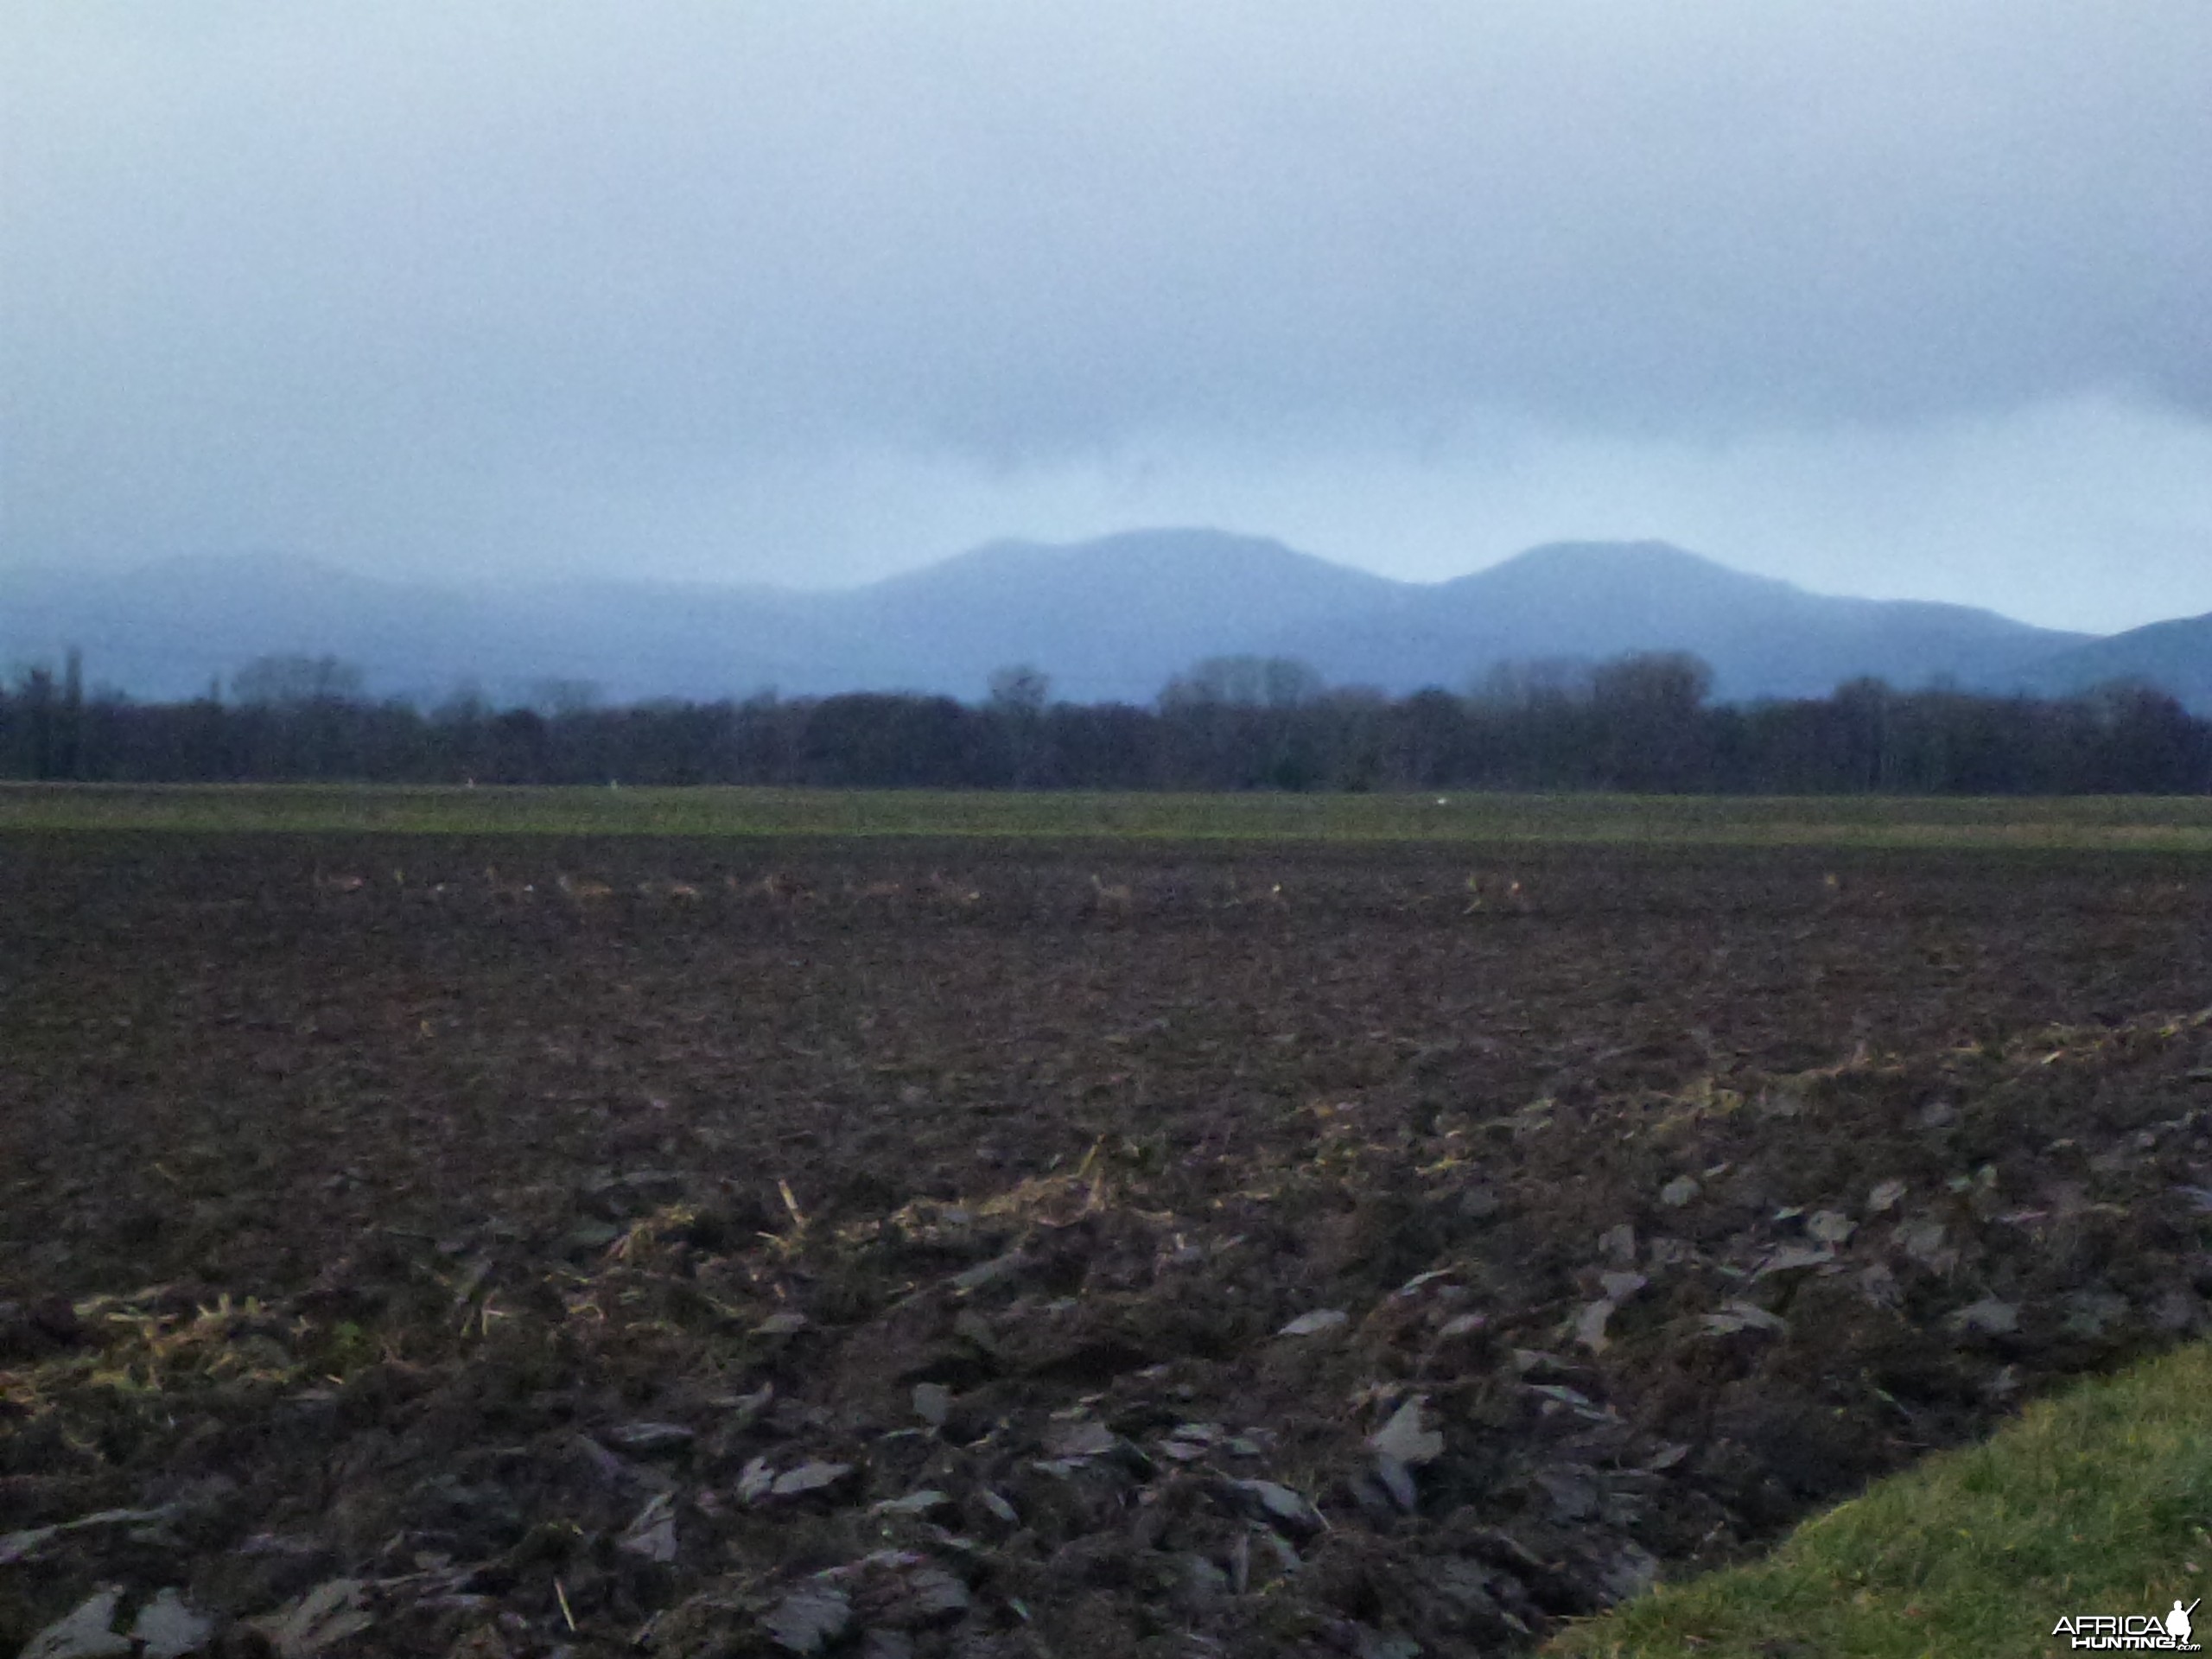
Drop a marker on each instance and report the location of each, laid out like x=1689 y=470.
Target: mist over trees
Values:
x=1639 y=723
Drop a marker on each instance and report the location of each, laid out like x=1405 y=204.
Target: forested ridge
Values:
x=1643 y=722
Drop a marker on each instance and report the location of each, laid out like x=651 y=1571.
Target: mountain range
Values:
x=1111 y=620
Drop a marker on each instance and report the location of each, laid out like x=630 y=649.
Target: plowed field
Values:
x=513 y=1247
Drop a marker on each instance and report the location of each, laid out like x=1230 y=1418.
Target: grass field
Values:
x=2093 y=1503
x=2165 y=824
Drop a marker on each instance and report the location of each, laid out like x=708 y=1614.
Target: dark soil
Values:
x=509 y=1248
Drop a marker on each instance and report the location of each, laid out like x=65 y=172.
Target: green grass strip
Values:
x=2180 y=824
x=2095 y=1502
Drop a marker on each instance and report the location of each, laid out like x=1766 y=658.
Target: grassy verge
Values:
x=2096 y=1502
x=2174 y=825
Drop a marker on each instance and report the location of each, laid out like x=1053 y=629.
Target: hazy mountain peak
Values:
x=1647 y=565
x=1167 y=557
x=1598 y=557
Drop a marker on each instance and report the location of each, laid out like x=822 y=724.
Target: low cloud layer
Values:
x=1888 y=298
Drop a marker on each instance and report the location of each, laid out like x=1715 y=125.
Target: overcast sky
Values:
x=1901 y=297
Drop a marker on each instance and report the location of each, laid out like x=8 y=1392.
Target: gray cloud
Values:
x=554 y=282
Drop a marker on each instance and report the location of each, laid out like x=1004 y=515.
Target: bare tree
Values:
x=292 y=680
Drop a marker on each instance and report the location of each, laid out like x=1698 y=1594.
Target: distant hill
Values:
x=169 y=629
x=1763 y=637
x=2177 y=656
x=1107 y=619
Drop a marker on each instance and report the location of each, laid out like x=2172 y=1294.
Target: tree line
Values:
x=1641 y=722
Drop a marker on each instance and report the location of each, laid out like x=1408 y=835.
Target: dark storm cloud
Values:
x=433 y=266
